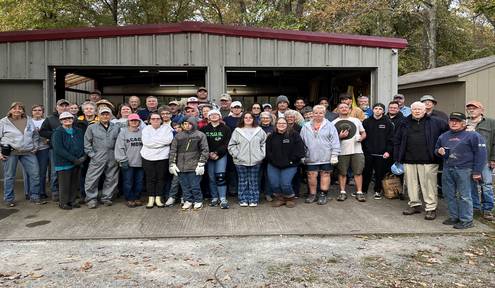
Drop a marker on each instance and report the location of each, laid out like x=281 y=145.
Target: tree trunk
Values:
x=300 y=8
x=431 y=32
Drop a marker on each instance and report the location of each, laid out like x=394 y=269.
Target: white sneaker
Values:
x=187 y=205
x=253 y=204
x=243 y=204
x=198 y=205
x=170 y=201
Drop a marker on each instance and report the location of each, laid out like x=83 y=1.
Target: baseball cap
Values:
x=173 y=102
x=214 y=111
x=399 y=96
x=428 y=97
x=345 y=96
x=104 y=109
x=236 y=104
x=476 y=104
x=202 y=88
x=62 y=101
x=96 y=92
x=65 y=115
x=458 y=116
x=267 y=105
x=192 y=99
x=225 y=96
x=133 y=116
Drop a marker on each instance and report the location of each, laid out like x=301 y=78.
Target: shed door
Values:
x=27 y=92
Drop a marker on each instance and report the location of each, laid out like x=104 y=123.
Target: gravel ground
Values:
x=364 y=261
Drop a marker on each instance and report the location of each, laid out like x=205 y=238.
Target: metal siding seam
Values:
x=82 y=51
x=188 y=49
x=119 y=53
x=100 y=51
x=45 y=60
x=26 y=60
x=292 y=53
x=360 y=64
x=64 y=49
x=258 y=51
x=9 y=58
x=136 y=51
x=275 y=53
x=310 y=53
x=153 y=50
x=342 y=51
x=171 y=50
x=325 y=56
x=241 y=44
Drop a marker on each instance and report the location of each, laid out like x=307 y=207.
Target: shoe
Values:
x=431 y=215
x=253 y=204
x=55 y=199
x=342 y=196
x=64 y=207
x=310 y=199
x=224 y=205
x=92 y=204
x=243 y=204
x=353 y=194
x=44 y=196
x=107 y=203
x=464 y=225
x=39 y=202
x=360 y=197
x=10 y=204
x=151 y=202
x=378 y=196
x=130 y=204
x=138 y=203
x=170 y=202
x=450 y=221
x=158 y=202
x=322 y=199
x=290 y=202
x=268 y=198
x=198 y=205
x=412 y=210
x=278 y=202
x=488 y=215
x=187 y=205
x=214 y=202
x=76 y=205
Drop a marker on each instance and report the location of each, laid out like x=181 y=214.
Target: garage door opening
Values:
x=118 y=84
x=264 y=85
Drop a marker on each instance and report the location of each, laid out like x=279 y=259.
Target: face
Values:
x=193 y=104
x=473 y=111
x=225 y=104
x=190 y=112
x=214 y=118
x=37 y=112
x=186 y=126
x=256 y=109
x=202 y=95
x=378 y=111
x=134 y=102
x=105 y=117
x=64 y=107
x=248 y=120
x=67 y=122
x=456 y=125
x=88 y=110
x=125 y=111
x=74 y=109
x=347 y=101
x=282 y=106
x=308 y=116
x=418 y=112
x=291 y=119
x=299 y=104
x=16 y=111
x=265 y=120
x=267 y=109
x=324 y=103
x=363 y=102
x=237 y=110
x=173 y=108
x=281 y=125
x=429 y=104
x=94 y=97
x=151 y=103
x=155 y=120
x=343 y=109
x=399 y=100
x=318 y=115
x=177 y=128
x=205 y=111
x=393 y=109
x=134 y=123
x=166 y=115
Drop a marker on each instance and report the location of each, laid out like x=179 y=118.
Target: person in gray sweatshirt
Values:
x=128 y=155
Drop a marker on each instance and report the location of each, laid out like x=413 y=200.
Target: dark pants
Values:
x=377 y=164
x=155 y=177
x=68 y=185
x=132 y=183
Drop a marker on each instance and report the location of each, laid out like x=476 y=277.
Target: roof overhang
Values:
x=434 y=82
x=200 y=27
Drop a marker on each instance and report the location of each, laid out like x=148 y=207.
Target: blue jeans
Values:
x=486 y=191
x=281 y=180
x=189 y=182
x=456 y=187
x=53 y=176
x=30 y=165
x=249 y=191
x=132 y=182
x=218 y=180
x=43 y=157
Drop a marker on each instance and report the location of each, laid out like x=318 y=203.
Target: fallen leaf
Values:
x=35 y=275
x=121 y=277
x=86 y=266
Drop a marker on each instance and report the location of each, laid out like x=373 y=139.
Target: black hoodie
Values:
x=284 y=150
x=218 y=138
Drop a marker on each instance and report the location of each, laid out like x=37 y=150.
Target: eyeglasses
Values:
x=257 y=108
x=155 y=118
x=37 y=110
x=63 y=119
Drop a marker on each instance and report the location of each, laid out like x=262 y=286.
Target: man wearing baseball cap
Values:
x=235 y=115
x=430 y=103
x=225 y=101
x=95 y=96
x=464 y=156
x=355 y=112
x=405 y=110
x=177 y=116
x=486 y=127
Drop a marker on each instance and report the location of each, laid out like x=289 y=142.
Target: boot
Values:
x=151 y=202
x=158 y=201
x=290 y=202
x=279 y=201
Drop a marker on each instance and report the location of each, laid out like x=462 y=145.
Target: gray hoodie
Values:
x=247 y=149
x=22 y=142
x=321 y=145
x=99 y=142
x=128 y=147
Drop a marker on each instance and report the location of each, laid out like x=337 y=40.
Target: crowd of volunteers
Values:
x=190 y=150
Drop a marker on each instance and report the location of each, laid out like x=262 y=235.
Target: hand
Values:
x=343 y=134
x=386 y=155
x=334 y=159
x=476 y=177
x=124 y=165
x=200 y=169
x=441 y=151
x=174 y=170
x=80 y=160
x=3 y=158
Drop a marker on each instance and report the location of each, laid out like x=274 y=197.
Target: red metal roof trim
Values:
x=200 y=27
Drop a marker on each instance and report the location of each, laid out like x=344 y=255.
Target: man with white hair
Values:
x=414 y=145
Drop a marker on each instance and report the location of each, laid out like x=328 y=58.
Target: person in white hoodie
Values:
x=155 y=152
x=247 y=147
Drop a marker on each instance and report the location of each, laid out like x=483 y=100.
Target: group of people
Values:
x=95 y=151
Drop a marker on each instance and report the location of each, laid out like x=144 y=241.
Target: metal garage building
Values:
x=172 y=60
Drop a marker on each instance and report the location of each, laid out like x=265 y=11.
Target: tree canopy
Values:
x=439 y=32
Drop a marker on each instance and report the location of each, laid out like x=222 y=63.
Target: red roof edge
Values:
x=200 y=27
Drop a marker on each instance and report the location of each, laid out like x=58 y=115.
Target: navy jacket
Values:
x=67 y=148
x=434 y=128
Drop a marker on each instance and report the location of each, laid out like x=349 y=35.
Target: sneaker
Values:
x=310 y=199
x=342 y=196
x=187 y=205
x=107 y=203
x=243 y=204
x=464 y=225
x=290 y=202
x=360 y=197
x=39 y=202
x=431 y=215
x=170 y=202
x=268 y=198
x=450 y=221
x=322 y=199
x=488 y=215
x=412 y=210
x=378 y=196
x=10 y=204
x=130 y=204
x=214 y=202
x=138 y=203
x=253 y=204
x=198 y=205
x=224 y=205
x=65 y=207
x=353 y=194
x=92 y=204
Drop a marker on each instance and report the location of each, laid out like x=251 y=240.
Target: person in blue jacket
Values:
x=464 y=156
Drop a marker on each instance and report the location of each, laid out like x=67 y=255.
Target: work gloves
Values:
x=173 y=169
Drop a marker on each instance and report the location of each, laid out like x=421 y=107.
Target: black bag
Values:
x=6 y=149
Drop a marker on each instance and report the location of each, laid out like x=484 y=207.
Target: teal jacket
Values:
x=66 y=147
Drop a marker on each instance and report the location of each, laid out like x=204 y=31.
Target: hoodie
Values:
x=247 y=149
x=156 y=142
x=189 y=148
x=22 y=141
x=128 y=147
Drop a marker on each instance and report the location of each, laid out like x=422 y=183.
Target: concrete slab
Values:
x=31 y=222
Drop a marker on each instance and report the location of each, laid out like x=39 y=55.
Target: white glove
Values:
x=334 y=159
x=173 y=169
x=200 y=169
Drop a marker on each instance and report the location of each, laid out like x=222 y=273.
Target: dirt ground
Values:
x=296 y=261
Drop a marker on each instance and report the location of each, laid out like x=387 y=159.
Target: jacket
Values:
x=49 y=125
x=128 y=147
x=156 y=142
x=285 y=150
x=67 y=147
x=397 y=119
x=22 y=142
x=486 y=128
x=82 y=123
x=321 y=145
x=299 y=117
x=247 y=151
x=189 y=148
x=380 y=133
x=434 y=127
x=99 y=142
x=218 y=138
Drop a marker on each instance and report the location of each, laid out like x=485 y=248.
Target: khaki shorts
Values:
x=356 y=161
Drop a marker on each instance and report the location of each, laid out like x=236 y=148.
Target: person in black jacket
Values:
x=394 y=113
x=47 y=128
x=414 y=145
x=218 y=136
x=284 y=150
x=377 y=148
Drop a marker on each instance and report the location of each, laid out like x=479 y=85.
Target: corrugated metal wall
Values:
x=481 y=86
x=30 y=60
